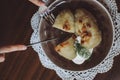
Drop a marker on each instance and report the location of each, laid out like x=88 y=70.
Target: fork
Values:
x=46 y=12
x=48 y=16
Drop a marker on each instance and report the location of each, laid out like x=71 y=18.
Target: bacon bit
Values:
x=86 y=34
x=64 y=44
x=82 y=41
x=66 y=26
x=79 y=31
x=83 y=34
x=89 y=34
x=80 y=21
x=74 y=37
x=88 y=25
x=84 y=29
x=86 y=38
x=58 y=48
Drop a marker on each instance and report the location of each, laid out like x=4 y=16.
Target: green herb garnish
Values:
x=82 y=51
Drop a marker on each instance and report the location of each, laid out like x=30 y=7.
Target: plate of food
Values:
x=84 y=30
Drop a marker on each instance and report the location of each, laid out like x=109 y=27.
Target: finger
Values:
x=37 y=2
x=2 y=57
x=12 y=48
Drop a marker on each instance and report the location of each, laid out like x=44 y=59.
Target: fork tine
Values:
x=45 y=16
x=53 y=18
x=50 y=17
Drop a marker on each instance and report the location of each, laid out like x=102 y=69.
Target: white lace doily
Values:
x=88 y=74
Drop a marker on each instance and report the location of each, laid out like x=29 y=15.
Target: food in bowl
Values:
x=85 y=29
x=67 y=49
x=65 y=21
x=104 y=22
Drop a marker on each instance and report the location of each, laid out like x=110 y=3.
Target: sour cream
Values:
x=79 y=59
x=78 y=39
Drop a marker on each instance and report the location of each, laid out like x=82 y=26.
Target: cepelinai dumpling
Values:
x=67 y=49
x=65 y=21
x=87 y=29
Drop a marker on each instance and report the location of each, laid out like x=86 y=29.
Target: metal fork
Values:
x=46 y=12
x=48 y=16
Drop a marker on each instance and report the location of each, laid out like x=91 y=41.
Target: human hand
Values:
x=10 y=48
x=37 y=2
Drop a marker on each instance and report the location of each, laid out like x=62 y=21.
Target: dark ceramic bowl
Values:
x=99 y=53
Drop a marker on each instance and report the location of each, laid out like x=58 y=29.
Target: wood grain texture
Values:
x=15 y=28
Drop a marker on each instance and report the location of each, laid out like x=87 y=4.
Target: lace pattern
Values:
x=88 y=74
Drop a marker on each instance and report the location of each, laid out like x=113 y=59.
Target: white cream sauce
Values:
x=79 y=59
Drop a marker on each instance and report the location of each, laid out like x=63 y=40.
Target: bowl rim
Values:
x=109 y=16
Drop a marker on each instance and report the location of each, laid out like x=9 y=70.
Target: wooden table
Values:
x=15 y=28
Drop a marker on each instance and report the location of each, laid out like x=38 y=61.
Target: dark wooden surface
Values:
x=15 y=28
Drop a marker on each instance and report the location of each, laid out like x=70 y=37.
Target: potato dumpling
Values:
x=67 y=49
x=65 y=21
x=87 y=29
x=82 y=24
